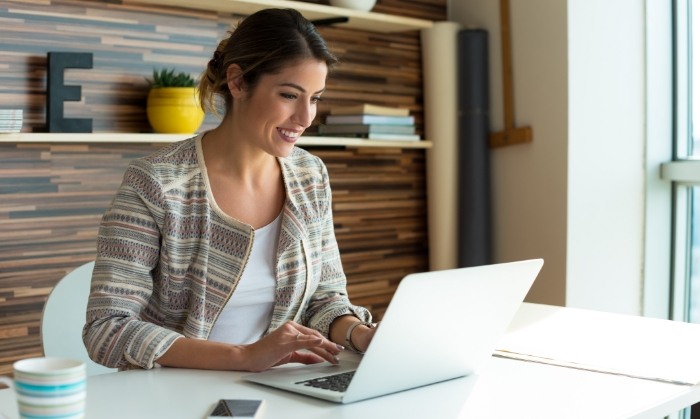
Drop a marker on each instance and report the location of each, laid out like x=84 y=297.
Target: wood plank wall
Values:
x=52 y=196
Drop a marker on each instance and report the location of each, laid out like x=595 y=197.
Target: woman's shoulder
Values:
x=178 y=153
x=172 y=161
x=302 y=161
x=307 y=180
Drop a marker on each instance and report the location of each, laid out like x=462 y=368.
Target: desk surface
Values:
x=504 y=388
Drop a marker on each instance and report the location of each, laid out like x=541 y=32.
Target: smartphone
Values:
x=238 y=408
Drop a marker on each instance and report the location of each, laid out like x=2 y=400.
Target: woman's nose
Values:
x=305 y=114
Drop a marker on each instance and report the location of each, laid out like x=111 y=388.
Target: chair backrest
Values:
x=63 y=319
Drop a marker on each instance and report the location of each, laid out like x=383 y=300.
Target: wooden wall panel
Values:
x=379 y=206
x=52 y=196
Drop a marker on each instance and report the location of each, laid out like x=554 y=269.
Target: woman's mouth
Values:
x=290 y=136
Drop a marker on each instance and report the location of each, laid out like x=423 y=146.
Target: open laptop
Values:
x=438 y=326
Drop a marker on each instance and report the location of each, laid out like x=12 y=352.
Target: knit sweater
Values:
x=168 y=259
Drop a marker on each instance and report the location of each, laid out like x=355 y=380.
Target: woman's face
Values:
x=275 y=113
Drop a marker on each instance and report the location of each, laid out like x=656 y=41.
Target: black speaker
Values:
x=474 y=211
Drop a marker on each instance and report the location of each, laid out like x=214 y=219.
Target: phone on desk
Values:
x=238 y=408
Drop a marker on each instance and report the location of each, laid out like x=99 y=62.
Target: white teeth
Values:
x=291 y=134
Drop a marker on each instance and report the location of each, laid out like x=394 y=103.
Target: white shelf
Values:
x=375 y=22
x=127 y=138
x=359 y=142
x=368 y=21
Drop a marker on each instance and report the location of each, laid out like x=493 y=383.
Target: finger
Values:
x=325 y=349
x=305 y=342
x=327 y=356
x=297 y=333
x=305 y=358
x=304 y=333
x=324 y=344
x=296 y=327
x=313 y=340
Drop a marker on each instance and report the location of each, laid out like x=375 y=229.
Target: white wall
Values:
x=606 y=154
x=575 y=195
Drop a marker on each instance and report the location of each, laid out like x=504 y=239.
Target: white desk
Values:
x=504 y=389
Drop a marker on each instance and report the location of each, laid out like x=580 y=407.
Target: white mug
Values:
x=49 y=387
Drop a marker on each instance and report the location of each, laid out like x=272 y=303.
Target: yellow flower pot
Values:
x=174 y=110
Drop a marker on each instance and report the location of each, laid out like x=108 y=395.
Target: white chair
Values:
x=63 y=319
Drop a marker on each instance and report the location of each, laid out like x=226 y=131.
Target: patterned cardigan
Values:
x=168 y=259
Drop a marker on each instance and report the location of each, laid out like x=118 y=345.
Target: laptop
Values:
x=438 y=326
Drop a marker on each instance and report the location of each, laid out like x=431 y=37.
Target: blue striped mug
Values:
x=49 y=388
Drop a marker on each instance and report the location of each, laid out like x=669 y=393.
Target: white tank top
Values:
x=248 y=313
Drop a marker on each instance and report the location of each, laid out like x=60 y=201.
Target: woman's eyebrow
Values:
x=296 y=86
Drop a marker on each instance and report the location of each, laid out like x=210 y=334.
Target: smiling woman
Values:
x=218 y=252
x=274 y=113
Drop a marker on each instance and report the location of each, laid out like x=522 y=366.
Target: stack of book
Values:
x=11 y=120
x=373 y=122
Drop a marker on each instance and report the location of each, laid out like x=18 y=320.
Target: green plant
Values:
x=168 y=78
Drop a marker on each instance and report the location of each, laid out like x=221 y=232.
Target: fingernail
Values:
x=340 y=347
x=337 y=360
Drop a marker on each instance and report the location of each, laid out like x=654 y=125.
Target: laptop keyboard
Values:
x=336 y=382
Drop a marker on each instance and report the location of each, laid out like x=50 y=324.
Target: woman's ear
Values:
x=234 y=81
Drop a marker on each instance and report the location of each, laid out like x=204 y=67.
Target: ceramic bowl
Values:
x=362 y=5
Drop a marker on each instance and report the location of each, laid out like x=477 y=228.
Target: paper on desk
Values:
x=639 y=347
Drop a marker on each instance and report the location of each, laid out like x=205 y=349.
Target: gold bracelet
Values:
x=348 y=335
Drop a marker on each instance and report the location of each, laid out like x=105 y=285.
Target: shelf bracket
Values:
x=330 y=21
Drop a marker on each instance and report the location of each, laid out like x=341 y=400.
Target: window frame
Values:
x=657 y=298
x=682 y=171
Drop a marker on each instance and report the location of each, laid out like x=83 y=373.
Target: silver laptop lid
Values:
x=441 y=325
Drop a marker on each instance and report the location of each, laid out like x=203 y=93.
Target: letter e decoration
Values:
x=57 y=92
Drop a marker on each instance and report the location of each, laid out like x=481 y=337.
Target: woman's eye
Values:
x=316 y=99
x=289 y=96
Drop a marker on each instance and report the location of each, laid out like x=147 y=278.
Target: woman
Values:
x=218 y=252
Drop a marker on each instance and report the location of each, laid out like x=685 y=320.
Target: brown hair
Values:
x=262 y=43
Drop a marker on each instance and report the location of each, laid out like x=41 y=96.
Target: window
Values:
x=672 y=242
x=684 y=170
x=693 y=51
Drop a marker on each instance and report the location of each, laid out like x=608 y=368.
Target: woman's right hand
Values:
x=291 y=342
